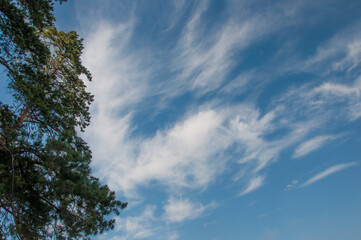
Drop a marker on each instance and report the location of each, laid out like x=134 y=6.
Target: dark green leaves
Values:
x=45 y=183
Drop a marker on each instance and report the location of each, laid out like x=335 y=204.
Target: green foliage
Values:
x=45 y=183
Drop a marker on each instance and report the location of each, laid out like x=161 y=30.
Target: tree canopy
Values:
x=46 y=186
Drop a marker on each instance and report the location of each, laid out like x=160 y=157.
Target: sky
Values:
x=225 y=120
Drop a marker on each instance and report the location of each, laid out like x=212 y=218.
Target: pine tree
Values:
x=46 y=186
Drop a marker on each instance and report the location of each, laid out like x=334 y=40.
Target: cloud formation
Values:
x=312 y=145
x=138 y=227
x=328 y=172
x=188 y=152
x=254 y=184
x=171 y=118
x=179 y=210
x=143 y=226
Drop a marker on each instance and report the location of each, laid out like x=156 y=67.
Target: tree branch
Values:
x=5 y=64
x=23 y=115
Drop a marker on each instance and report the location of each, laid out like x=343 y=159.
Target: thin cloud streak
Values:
x=312 y=145
x=203 y=66
x=254 y=184
x=144 y=226
x=328 y=172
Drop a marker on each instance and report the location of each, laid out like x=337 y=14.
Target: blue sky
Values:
x=222 y=120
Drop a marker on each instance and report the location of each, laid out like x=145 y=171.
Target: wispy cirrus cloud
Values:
x=138 y=227
x=319 y=101
x=312 y=145
x=204 y=66
x=341 y=53
x=144 y=226
x=339 y=92
x=327 y=172
x=254 y=184
x=292 y=185
x=179 y=210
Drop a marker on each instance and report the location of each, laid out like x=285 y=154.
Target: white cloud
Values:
x=208 y=66
x=204 y=65
x=324 y=103
x=254 y=184
x=146 y=225
x=312 y=145
x=182 y=156
x=339 y=90
x=118 y=75
x=179 y=210
x=342 y=52
x=137 y=227
x=352 y=58
x=331 y=93
x=292 y=185
x=355 y=111
x=340 y=55
x=328 y=172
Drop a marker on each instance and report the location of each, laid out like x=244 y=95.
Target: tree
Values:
x=46 y=186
